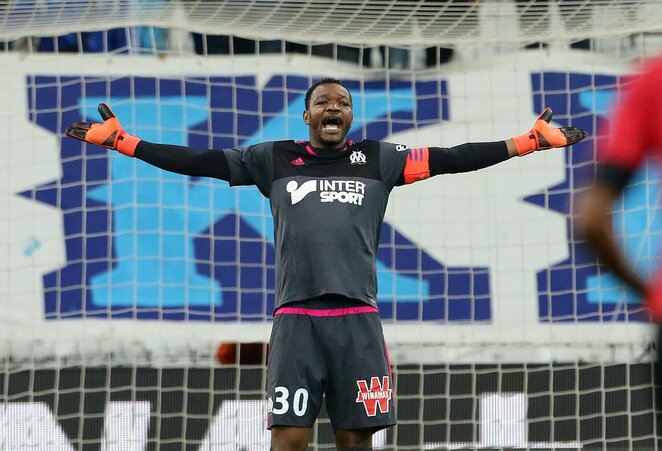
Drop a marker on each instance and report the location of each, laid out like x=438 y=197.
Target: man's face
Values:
x=329 y=115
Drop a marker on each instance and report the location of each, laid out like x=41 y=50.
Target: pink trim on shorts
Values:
x=326 y=312
x=390 y=368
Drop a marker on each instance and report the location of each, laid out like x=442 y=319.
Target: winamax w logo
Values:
x=151 y=244
x=375 y=397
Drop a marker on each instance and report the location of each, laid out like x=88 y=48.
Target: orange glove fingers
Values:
x=545 y=136
x=109 y=134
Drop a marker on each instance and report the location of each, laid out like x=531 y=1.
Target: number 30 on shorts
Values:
x=282 y=401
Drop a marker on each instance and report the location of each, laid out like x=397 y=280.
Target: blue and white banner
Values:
x=99 y=242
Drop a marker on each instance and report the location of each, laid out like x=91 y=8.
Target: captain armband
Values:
x=417 y=167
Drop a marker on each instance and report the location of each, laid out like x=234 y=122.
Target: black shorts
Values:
x=336 y=354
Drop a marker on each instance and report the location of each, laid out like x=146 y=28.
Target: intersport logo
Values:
x=343 y=191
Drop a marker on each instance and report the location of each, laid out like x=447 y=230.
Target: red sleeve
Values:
x=632 y=132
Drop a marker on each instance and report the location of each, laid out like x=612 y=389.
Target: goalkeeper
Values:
x=328 y=197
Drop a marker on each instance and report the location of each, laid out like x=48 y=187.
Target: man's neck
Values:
x=322 y=147
x=326 y=149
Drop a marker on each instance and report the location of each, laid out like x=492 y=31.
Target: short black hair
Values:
x=325 y=81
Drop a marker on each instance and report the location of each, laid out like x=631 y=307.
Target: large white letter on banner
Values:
x=30 y=426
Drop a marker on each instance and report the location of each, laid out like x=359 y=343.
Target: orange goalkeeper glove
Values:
x=108 y=134
x=544 y=136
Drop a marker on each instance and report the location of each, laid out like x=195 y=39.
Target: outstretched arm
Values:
x=179 y=159
x=594 y=223
x=474 y=156
x=184 y=160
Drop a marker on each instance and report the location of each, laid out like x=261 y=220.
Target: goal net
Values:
x=123 y=288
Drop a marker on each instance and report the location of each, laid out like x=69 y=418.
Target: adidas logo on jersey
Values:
x=297 y=161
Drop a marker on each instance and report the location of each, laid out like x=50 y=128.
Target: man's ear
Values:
x=306 y=117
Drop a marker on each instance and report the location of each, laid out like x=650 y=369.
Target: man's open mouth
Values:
x=331 y=123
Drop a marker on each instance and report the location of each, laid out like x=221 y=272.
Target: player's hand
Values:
x=545 y=136
x=109 y=134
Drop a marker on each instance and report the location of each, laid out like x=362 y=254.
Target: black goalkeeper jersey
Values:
x=328 y=207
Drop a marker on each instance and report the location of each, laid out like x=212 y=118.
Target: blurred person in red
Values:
x=634 y=136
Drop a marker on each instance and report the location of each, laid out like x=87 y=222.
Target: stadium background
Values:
x=120 y=280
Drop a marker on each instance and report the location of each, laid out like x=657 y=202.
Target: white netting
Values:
x=502 y=329
x=375 y=22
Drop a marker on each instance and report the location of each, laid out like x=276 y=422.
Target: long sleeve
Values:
x=184 y=160
x=466 y=157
